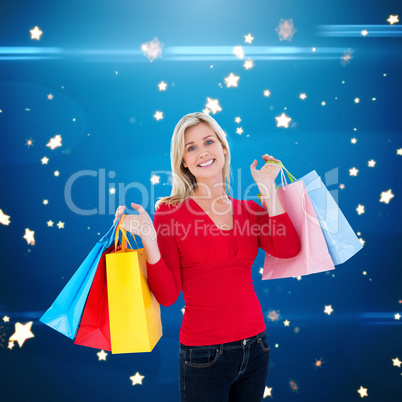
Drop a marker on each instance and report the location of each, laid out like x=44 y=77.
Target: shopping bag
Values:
x=341 y=239
x=313 y=256
x=64 y=315
x=94 y=329
x=134 y=313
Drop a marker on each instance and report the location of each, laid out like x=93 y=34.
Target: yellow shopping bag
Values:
x=134 y=313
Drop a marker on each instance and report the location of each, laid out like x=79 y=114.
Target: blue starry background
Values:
x=105 y=95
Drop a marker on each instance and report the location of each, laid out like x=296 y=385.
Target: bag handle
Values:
x=290 y=176
x=280 y=164
x=124 y=239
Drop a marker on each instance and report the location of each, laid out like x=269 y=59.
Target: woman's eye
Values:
x=189 y=148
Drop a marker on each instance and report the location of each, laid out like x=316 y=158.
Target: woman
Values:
x=204 y=243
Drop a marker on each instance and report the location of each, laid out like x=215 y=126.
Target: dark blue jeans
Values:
x=234 y=371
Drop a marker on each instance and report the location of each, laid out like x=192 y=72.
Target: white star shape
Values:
x=45 y=202
x=231 y=80
x=6 y=318
x=386 y=196
x=213 y=105
x=303 y=96
x=237 y=119
x=248 y=38
x=238 y=51
x=50 y=223
x=357 y=100
x=22 y=333
x=44 y=160
x=353 y=172
x=364 y=32
x=102 y=355
x=353 y=140
x=155 y=179
x=248 y=64
x=60 y=225
x=4 y=219
x=362 y=391
x=286 y=323
x=328 y=310
x=396 y=362
x=54 y=142
x=239 y=130
x=162 y=86
x=50 y=97
x=112 y=190
x=137 y=378
x=266 y=93
x=36 y=33
x=399 y=151
x=371 y=163
x=282 y=120
x=56 y=173
x=267 y=392
x=29 y=236
x=360 y=209
x=397 y=316
x=158 y=115
x=10 y=344
x=392 y=19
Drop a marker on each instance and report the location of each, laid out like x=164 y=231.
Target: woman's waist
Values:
x=219 y=271
x=236 y=302
x=223 y=288
x=238 y=344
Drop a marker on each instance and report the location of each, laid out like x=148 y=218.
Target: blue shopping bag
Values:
x=64 y=315
x=340 y=238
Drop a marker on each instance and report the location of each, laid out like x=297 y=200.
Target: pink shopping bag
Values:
x=314 y=256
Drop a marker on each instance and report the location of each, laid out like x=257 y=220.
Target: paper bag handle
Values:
x=291 y=177
x=124 y=236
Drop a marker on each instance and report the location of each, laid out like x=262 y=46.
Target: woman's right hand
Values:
x=119 y=211
x=140 y=225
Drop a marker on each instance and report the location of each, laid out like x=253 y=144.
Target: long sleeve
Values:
x=276 y=235
x=164 y=277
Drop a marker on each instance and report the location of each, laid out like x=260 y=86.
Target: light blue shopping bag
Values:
x=64 y=315
x=340 y=238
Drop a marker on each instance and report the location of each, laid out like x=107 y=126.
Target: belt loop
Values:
x=221 y=348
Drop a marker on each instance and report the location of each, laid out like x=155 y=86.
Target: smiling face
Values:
x=202 y=145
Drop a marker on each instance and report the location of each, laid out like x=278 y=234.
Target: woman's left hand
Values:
x=268 y=173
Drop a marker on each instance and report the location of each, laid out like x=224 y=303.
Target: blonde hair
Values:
x=184 y=182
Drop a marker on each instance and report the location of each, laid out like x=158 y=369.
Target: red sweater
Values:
x=212 y=267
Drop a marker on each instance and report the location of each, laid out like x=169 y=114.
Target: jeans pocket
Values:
x=264 y=343
x=202 y=357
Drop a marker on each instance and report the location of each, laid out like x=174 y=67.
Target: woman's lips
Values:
x=204 y=167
